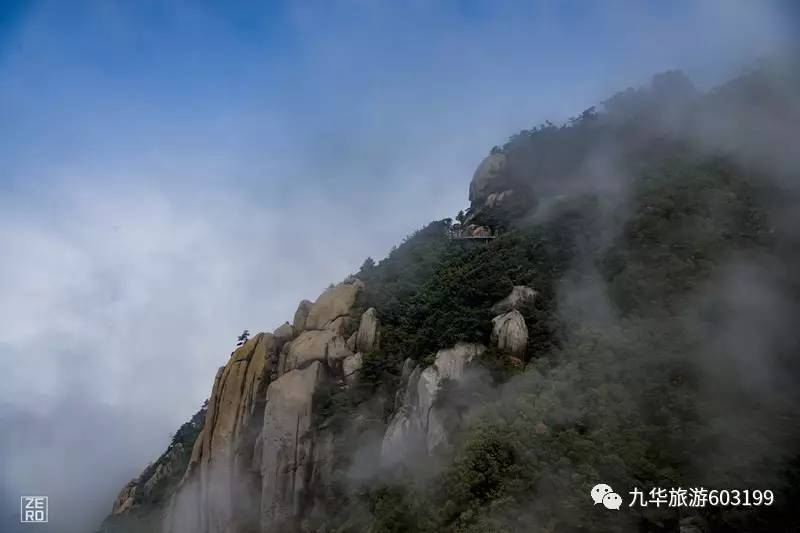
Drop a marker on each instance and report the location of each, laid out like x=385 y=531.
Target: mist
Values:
x=173 y=174
x=732 y=338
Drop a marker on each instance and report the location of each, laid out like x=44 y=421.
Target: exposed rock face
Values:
x=488 y=178
x=125 y=499
x=367 y=338
x=451 y=362
x=403 y=438
x=332 y=304
x=474 y=230
x=288 y=459
x=257 y=464
x=344 y=326
x=133 y=509
x=417 y=426
x=408 y=367
x=283 y=333
x=301 y=315
x=319 y=345
x=163 y=470
x=520 y=295
x=351 y=365
x=510 y=333
x=220 y=469
x=496 y=199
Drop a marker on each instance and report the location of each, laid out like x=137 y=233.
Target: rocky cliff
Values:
x=258 y=463
x=487 y=383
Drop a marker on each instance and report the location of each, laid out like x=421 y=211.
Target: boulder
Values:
x=489 y=177
x=510 y=333
x=315 y=345
x=301 y=315
x=335 y=302
x=283 y=333
x=344 y=326
x=520 y=295
x=474 y=230
x=367 y=338
x=350 y=365
x=287 y=447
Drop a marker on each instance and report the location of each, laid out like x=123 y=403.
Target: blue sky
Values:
x=173 y=172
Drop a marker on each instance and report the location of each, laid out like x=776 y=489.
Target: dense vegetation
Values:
x=663 y=346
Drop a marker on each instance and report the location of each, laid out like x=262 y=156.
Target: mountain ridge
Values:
x=386 y=404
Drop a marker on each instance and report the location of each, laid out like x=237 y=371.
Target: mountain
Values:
x=618 y=304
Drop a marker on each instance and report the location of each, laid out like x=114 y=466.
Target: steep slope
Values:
x=139 y=504
x=617 y=304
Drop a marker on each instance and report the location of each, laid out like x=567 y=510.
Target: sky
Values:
x=174 y=172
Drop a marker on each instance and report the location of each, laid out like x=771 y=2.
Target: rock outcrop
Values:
x=497 y=195
x=301 y=315
x=284 y=333
x=344 y=326
x=126 y=498
x=133 y=509
x=367 y=336
x=510 y=333
x=314 y=345
x=156 y=476
x=350 y=365
x=489 y=178
x=351 y=341
x=258 y=463
x=418 y=426
x=474 y=230
x=255 y=461
x=335 y=302
x=291 y=463
x=520 y=296
x=497 y=199
x=220 y=471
